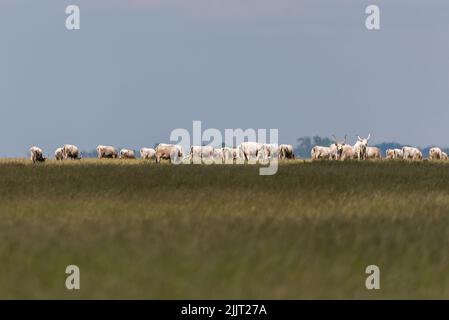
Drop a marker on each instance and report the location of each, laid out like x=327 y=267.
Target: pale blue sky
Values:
x=139 y=68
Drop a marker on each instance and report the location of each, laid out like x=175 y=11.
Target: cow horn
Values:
x=369 y=136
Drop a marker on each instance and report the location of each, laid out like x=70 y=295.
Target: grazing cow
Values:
x=58 y=154
x=334 y=155
x=147 y=153
x=373 y=153
x=360 y=147
x=251 y=151
x=202 y=152
x=435 y=153
x=319 y=152
x=286 y=151
x=168 y=152
x=411 y=153
x=348 y=152
x=398 y=154
x=36 y=155
x=270 y=151
x=127 y=154
x=106 y=152
x=390 y=154
x=444 y=156
x=70 y=151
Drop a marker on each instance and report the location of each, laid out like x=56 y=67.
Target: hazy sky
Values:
x=139 y=68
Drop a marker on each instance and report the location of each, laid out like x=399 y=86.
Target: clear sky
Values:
x=139 y=68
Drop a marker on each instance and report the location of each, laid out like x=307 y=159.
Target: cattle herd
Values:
x=246 y=151
x=340 y=150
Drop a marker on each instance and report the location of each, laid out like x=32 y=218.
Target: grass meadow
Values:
x=146 y=231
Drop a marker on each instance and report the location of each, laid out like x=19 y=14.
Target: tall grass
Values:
x=139 y=230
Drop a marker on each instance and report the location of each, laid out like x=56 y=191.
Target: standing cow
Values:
x=127 y=154
x=389 y=154
x=36 y=154
x=286 y=151
x=200 y=154
x=147 y=153
x=69 y=151
x=348 y=152
x=106 y=152
x=58 y=154
x=360 y=147
x=270 y=151
x=373 y=153
x=435 y=153
x=337 y=148
x=319 y=152
x=398 y=154
x=170 y=152
x=411 y=153
x=251 y=151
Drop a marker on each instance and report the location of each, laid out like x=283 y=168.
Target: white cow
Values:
x=389 y=154
x=360 y=147
x=444 y=156
x=337 y=148
x=348 y=152
x=411 y=153
x=170 y=152
x=319 y=152
x=106 y=152
x=127 y=154
x=270 y=151
x=70 y=151
x=205 y=153
x=147 y=153
x=251 y=151
x=58 y=154
x=398 y=154
x=435 y=153
x=286 y=151
x=373 y=153
x=36 y=154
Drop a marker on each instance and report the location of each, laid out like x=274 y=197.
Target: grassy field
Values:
x=138 y=230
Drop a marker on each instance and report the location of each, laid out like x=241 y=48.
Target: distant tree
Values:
x=304 y=146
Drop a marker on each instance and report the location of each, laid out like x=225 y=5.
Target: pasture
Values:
x=146 y=231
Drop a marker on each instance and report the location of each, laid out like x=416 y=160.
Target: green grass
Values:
x=139 y=230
